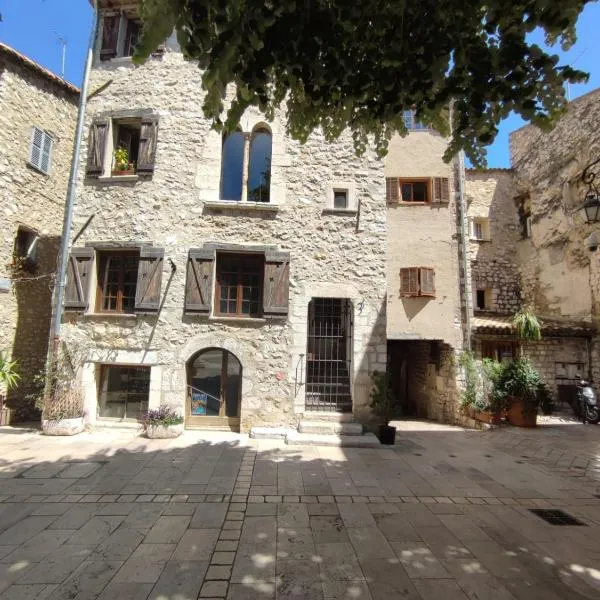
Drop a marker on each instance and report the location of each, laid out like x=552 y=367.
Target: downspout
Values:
x=464 y=237
x=59 y=290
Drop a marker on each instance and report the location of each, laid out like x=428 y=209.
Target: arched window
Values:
x=259 y=167
x=232 y=166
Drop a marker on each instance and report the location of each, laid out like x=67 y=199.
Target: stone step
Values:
x=368 y=440
x=330 y=427
x=269 y=433
x=317 y=415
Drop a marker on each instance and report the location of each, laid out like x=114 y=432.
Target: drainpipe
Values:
x=59 y=290
x=464 y=236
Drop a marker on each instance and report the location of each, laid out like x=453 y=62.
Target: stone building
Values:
x=425 y=278
x=239 y=278
x=37 y=123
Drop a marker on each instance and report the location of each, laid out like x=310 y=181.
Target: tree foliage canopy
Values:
x=359 y=64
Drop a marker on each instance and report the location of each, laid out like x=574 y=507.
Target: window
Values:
x=117 y=280
x=239 y=285
x=121 y=146
x=417 y=281
x=259 y=168
x=246 y=182
x=480 y=229
x=415 y=191
x=340 y=199
x=411 y=123
x=40 y=151
x=25 y=249
x=483 y=299
x=120 y=34
x=498 y=350
x=419 y=191
x=124 y=391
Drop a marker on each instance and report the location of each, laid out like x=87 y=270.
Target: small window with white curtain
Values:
x=40 y=151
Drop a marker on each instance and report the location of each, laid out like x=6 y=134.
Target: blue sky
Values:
x=34 y=26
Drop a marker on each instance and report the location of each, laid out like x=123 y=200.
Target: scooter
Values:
x=585 y=404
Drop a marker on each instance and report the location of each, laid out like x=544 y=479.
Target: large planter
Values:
x=387 y=435
x=486 y=416
x=159 y=432
x=519 y=417
x=63 y=426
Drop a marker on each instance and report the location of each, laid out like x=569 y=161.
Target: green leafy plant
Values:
x=383 y=400
x=165 y=415
x=527 y=325
x=9 y=376
x=121 y=156
x=480 y=383
x=519 y=379
x=334 y=64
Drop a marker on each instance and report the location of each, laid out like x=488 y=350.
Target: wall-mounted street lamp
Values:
x=590 y=209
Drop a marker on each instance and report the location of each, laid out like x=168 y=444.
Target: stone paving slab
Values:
x=444 y=514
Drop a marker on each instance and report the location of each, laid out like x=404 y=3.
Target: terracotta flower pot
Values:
x=519 y=417
x=487 y=416
x=118 y=173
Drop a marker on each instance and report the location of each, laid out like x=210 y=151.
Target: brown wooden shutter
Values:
x=276 y=288
x=441 y=189
x=96 y=148
x=409 y=282
x=199 y=282
x=147 y=150
x=79 y=269
x=147 y=291
x=110 y=37
x=427 y=280
x=392 y=194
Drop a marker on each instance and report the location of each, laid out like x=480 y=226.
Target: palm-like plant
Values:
x=9 y=377
x=527 y=325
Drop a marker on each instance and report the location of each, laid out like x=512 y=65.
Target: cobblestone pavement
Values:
x=445 y=514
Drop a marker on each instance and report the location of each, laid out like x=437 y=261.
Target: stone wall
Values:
x=494 y=262
x=332 y=254
x=35 y=201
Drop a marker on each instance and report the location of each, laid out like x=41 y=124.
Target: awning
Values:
x=495 y=324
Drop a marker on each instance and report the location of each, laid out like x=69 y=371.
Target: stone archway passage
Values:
x=214 y=390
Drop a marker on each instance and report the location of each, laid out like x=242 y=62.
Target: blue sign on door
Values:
x=199 y=400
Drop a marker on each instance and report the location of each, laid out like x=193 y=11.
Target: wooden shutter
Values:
x=441 y=189
x=79 y=269
x=147 y=291
x=96 y=148
x=409 y=282
x=392 y=194
x=40 y=150
x=199 y=282
x=276 y=287
x=427 y=281
x=110 y=37
x=147 y=151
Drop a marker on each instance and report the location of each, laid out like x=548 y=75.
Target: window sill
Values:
x=239 y=205
x=117 y=178
x=240 y=320
x=107 y=315
x=340 y=211
x=480 y=239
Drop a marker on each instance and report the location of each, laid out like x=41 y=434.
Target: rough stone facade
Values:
x=30 y=97
x=494 y=262
x=333 y=254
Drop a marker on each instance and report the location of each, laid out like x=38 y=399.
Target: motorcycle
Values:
x=585 y=404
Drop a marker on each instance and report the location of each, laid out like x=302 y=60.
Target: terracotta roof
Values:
x=497 y=324
x=38 y=68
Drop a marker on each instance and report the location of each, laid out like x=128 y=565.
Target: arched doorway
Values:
x=214 y=389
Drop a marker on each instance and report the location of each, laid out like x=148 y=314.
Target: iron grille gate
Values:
x=328 y=355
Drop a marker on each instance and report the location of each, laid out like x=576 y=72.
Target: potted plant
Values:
x=519 y=384
x=9 y=379
x=479 y=400
x=164 y=422
x=385 y=405
x=121 y=162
